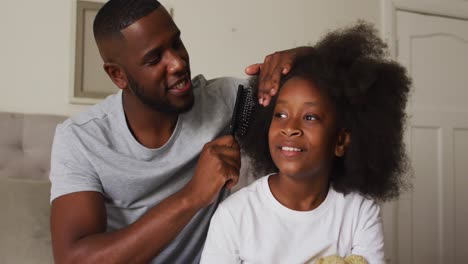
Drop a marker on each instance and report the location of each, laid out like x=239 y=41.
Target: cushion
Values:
x=25 y=144
x=24 y=221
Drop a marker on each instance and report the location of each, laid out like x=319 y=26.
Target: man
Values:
x=136 y=178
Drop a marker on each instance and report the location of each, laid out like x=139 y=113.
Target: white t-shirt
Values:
x=251 y=226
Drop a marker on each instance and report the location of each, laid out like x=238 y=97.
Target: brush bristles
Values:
x=247 y=103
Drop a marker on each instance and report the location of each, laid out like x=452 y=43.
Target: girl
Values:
x=335 y=146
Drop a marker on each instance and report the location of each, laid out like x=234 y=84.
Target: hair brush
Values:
x=243 y=111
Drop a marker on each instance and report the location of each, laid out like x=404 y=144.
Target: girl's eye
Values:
x=280 y=115
x=310 y=117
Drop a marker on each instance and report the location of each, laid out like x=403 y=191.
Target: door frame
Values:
x=388 y=9
x=388 y=20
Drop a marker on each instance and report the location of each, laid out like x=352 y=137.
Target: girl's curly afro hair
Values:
x=370 y=94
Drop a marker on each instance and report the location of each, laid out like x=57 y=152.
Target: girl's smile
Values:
x=290 y=150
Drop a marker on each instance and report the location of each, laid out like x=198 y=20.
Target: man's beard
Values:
x=156 y=104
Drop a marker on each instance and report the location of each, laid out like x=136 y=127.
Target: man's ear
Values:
x=344 y=139
x=117 y=74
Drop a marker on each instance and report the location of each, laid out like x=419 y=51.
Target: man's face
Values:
x=157 y=64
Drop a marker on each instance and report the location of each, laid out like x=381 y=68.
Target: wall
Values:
x=222 y=36
x=214 y=30
x=35 y=56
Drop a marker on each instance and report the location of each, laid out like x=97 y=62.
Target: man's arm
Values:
x=78 y=220
x=270 y=71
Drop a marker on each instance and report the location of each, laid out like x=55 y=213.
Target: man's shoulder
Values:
x=214 y=101
x=221 y=86
x=227 y=81
x=95 y=118
x=97 y=112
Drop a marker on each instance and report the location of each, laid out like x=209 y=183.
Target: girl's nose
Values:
x=291 y=132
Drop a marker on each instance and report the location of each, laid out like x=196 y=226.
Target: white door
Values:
x=432 y=219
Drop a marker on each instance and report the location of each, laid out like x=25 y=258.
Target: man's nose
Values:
x=175 y=62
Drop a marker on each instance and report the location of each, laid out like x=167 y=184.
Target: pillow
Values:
x=24 y=221
x=334 y=259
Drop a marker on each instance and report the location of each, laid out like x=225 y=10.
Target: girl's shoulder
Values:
x=355 y=203
x=249 y=196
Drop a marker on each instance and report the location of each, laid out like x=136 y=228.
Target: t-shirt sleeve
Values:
x=70 y=170
x=227 y=88
x=369 y=240
x=222 y=242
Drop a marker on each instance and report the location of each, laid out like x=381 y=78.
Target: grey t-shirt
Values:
x=95 y=151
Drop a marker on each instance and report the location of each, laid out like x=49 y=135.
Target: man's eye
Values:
x=153 y=61
x=280 y=115
x=177 y=44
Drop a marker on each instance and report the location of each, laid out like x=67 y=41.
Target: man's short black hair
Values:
x=116 y=15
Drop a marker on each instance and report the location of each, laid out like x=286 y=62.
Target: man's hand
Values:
x=218 y=166
x=270 y=71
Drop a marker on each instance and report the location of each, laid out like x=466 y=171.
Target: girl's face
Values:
x=303 y=135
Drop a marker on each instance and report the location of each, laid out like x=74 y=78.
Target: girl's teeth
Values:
x=291 y=149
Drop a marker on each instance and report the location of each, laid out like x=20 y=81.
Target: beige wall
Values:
x=222 y=37
x=35 y=56
x=236 y=33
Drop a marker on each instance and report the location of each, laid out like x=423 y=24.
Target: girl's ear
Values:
x=344 y=139
x=117 y=74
